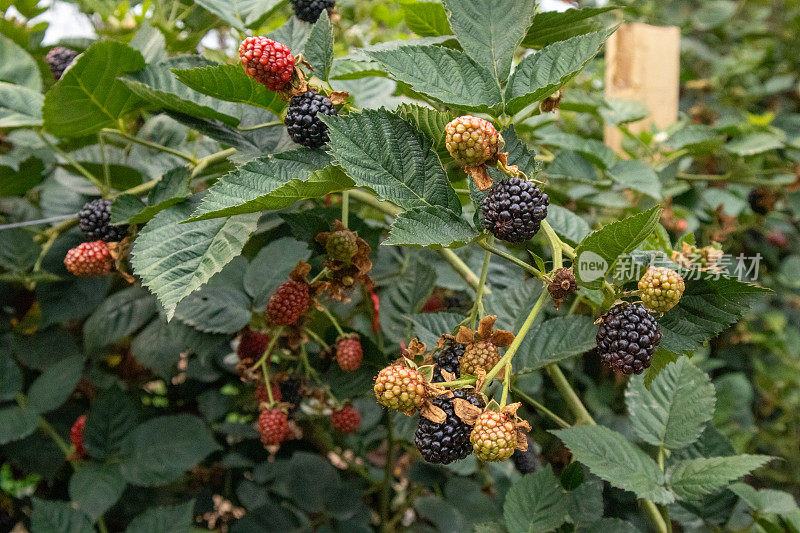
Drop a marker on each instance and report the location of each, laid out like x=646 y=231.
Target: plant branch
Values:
x=539 y=407
x=508 y=257
x=574 y=403
x=151 y=145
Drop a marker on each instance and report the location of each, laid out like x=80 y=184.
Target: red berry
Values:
x=777 y=238
x=89 y=259
x=346 y=420
x=268 y=61
x=76 y=436
x=349 y=354
x=399 y=387
x=494 y=436
x=252 y=346
x=273 y=425
x=262 y=396
x=288 y=303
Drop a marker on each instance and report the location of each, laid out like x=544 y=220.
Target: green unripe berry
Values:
x=661 y=289
x=342 y=246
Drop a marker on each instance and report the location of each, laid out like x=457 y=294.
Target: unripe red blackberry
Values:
x=310 y=10
x=400 y=388
x=661 y=289
x=471 y=140
x=346 y=420
x=288 y=303
x=449 y=359
x=76 y=436
x=342 y=246
x=480 y=354
x=494 y=436
x=449 y=441
x=273 y=426
x=627 y=337
x=349 y=354
x=252 y=346
x=262 y=395
x=89 y=259
x=58 y=59
x=268 y=61
x=304 y=126
x=514 y=209
x=94 y=220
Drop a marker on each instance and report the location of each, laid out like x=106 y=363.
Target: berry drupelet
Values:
x=514 y=209
x=627 y=337
x=268 y=62
x=94 y=220
x=449 y=441
x=304 y=126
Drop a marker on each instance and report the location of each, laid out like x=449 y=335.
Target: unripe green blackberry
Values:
x=481 y=354
x=400 y=388
x=342 y=246
x=661 y=289
x=471 y=140
x=494 y=436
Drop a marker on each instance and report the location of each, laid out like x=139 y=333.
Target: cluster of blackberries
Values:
x=449 y=441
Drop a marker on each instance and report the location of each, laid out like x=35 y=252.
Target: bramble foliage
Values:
x=308 y=243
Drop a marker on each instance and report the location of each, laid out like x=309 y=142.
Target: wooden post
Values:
x=643 y=63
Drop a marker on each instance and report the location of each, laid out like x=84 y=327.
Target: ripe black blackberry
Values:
x=449 y=441
x=526 y=462
x=627 y=337
x=59 y=58
x=514 y=210
x=94 y=220
x=449 y=359
x=310 y=10
x=304 y=127
x=290 y=392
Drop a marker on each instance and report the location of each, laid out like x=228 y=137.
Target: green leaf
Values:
x=10 y=376
x=52 y=388
x=446 y=75
x=536 y=502
x=17 y=66
x=173 y=188
x=58 y=517
x=638 y=176
x=605 y=525
x=427 y=19
x=381 y=151
x=118 y=316
x=592 y=149
x=89 y=97
x=660 y=359
x=271 y=267
x=157 y=84
x=165 y=519
x=676 y=409
x=610 y=456
x=430 y=227
x=430 y=122
x=272 y=182
x=160 y=450
x=753 y=144
x=428 y=327
x=709 y=305
x=693 y=478
x=18 y=182
x=232 y=84
x=175 y=259
x=109 y=421
x=618 y=111
x=596 y=255
x=96 y=487
x=319 y=47
x=222 y=309
x=554 y=340
x=16 y=423
x=490 y=31
x=404 y=297
x=158 y=347
x=150 y=42
x=294 y=34
x=540 y=75
x=765 y=500
x=552 y=26
x=241 y=14
x=20 y=106
x=567 y=224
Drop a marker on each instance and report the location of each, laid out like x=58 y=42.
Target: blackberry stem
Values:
x=267 y=383
x=80 y=168
x=319 y=276
x=458 y=382
x=316 y=338
x=506 y=381
x=508 y=257
x=274 y=335
x=538 y=406
x=332 y=318
x=477 y=308
x=149 y=144
x=345 y=208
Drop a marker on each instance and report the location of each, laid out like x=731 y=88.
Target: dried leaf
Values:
x=467 y=412
x=485 y=326
x=480 y=374
x=448 y=376
x=522 y=441
x=502 y=338
x=416 y=348
x=511 y=409
x=432 y=413
x=338 y=97
x=480 y=176
x=301 y=271
x=465 y=335
x=445 y=341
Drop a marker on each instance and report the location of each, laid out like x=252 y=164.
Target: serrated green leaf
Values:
x=17 y=66
x=118 y=316
x=765 y=500
x=10 y=376
x=753 y=144
x=17 y=423
x=597 y=254
x=536 y=502
x=708 y=306
x=158 y=346
x=95 y=488
x=660 y=359
x=150 y=42
x=109 y=421
x=232 y=84
x=428 y=327
x=555 y=339
x=89 y=97
x=592 y=149
x=549 y=27
x=241 y=14
x=164 y=519
x=173 y=188
x=319 y=47
x=610 y=456
x=271 y=267
x=20 y=106
x=17 y=182
x=52 y=388
x=692 y=478
x=676 y=409
x=567 y=224
x=58 y=517
x=490 y=31
x=223 y=309
x=175 y=259
x=427 y=19
x=638 y=176
x=161 y=449
x=447 y=75
x=404 y=298
x=431 y=122
x=379 y=150
x=540 y=75
x=430 y=227
x=272 y=182
x=293 y=33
